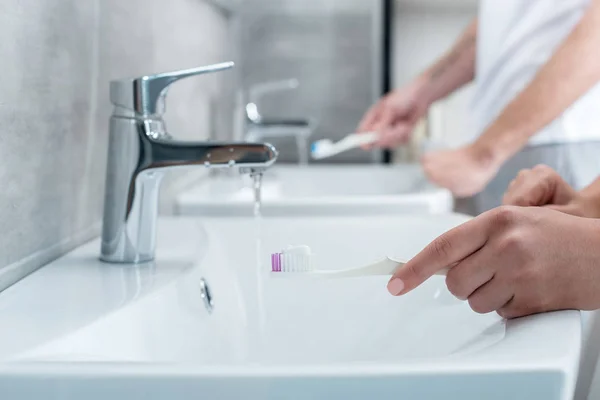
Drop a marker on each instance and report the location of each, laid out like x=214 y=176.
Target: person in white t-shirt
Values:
x=537 y=98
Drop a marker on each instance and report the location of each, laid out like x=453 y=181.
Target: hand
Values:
x=395 y=115
x=515 y=261
x=465 y=171
x=542 y=186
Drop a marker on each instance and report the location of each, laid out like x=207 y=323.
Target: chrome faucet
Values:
x=257 y=91
x=140 y=150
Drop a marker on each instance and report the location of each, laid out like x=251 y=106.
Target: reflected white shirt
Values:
x=515 y=39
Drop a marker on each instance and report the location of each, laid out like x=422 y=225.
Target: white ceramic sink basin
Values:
x=319 y=190
x=79 y=328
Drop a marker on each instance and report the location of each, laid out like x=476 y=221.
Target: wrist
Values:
x=584 y=293
x=488 y=155
x=502 y=140
x=424 y=89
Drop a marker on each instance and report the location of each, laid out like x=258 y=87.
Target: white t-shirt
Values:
x=515 y=39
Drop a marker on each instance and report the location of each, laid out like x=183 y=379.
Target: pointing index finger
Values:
x=446 y=250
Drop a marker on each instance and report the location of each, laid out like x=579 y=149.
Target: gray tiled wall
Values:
x=329 y=46
x=57 y=59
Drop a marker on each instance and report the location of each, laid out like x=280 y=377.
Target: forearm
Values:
x=570 y=72
x=454 y=69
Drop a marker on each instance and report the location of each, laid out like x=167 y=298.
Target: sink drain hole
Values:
x=206 y=296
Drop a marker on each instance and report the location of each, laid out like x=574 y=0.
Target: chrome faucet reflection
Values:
x=256 y=127
x=140 y=150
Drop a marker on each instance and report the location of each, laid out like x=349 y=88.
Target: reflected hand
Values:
x=513 y=260
x=464 y=171
x=394 y=116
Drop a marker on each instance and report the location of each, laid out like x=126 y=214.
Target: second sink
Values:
x=320 y=191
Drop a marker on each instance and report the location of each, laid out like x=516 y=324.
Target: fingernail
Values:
x=395 y=286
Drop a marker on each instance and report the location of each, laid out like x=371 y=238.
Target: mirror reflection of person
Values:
x=539 y=252
x=536 y=68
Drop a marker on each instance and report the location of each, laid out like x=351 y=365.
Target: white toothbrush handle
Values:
x=384 y=267
x=356 y=140
x=325 y=148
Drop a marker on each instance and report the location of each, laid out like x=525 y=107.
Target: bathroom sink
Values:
x=79 y=328
x=319 y=190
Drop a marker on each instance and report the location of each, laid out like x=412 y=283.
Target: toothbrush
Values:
x=326 y=148
x=296 y=261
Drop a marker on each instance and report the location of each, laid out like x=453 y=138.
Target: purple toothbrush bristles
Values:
x=276 y=262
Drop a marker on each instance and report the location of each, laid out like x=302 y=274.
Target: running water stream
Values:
x=257 y=184
x=261 y=270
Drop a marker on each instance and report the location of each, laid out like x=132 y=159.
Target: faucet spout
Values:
x=169 y=153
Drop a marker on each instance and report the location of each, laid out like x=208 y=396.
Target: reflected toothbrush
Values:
x=326 y=148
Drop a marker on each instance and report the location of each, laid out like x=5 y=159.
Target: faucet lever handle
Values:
x=145 y=94
x=258 y=90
